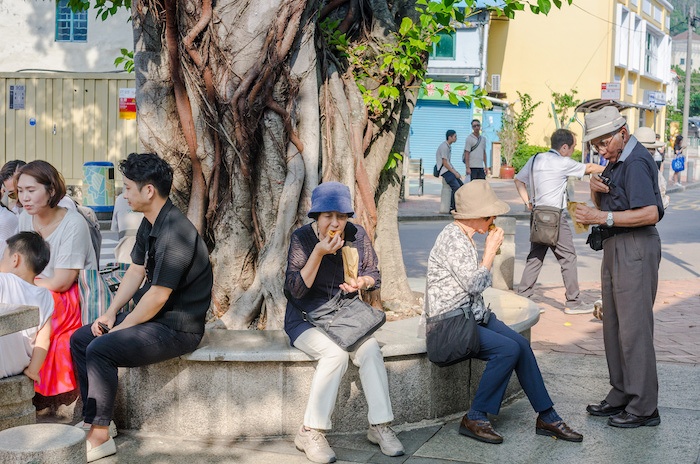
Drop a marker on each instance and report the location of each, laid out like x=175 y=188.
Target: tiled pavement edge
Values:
x=676 y=322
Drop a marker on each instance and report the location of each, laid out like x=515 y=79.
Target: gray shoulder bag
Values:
x=544 y=220
x=345 y=318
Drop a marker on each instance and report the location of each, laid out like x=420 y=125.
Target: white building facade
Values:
x=45 y=35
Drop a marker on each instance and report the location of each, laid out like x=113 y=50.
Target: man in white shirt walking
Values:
x=549 y=174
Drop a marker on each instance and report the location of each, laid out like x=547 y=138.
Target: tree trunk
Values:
x=252 y=110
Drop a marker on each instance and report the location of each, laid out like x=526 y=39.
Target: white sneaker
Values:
x=385 y=437
x=86 y=428
x=313 y=442
x=107 y=448
x=580 y=308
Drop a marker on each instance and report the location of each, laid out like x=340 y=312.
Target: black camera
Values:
x=606 y=180
x=595 y=238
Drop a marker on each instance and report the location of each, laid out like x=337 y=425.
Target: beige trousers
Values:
x=332 y=364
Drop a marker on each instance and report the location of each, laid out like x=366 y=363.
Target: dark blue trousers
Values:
x=454 y=184
x=505 y=350
x=96 y=359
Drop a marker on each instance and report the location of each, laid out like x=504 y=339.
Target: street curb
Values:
x=684 y=187
x=517 y=215
x=448 y=217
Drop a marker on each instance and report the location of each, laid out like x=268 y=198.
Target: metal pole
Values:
x=688 y=72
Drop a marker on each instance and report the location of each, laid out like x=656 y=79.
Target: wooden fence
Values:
x=67 y=119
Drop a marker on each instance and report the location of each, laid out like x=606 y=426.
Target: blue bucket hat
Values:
x=331 y=196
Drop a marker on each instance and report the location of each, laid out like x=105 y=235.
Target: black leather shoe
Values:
x=603 y=409
x=627 y=420
x=558 y=430
x=479 y=430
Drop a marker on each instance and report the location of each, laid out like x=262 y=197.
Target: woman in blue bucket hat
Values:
x=314 y=275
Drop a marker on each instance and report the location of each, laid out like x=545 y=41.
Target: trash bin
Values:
x=98 y=178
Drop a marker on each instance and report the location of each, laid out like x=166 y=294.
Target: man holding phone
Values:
x=628 y=204
x=170 y=281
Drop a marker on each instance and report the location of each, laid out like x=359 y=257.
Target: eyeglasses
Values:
x=603 y=144
x=476 y=125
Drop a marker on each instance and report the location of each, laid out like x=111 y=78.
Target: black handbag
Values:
x=452 y=337
x=436 y=171
x=346 y=319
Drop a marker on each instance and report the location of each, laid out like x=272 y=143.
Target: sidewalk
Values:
x=570 y=353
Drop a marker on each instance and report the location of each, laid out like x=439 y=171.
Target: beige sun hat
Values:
x=476 y=200
x=647 y=137
x=602 y=122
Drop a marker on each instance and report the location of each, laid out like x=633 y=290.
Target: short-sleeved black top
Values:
x=635 y=182
x=175 y=257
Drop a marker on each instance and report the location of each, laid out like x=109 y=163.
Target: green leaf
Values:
x=544 y=5
x=453 y=99
x=406 y=25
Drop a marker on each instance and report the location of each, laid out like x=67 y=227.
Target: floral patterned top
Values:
x=455 y=277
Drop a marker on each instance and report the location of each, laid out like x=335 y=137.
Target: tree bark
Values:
x=252 y=110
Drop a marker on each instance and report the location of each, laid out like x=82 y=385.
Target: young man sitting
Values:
x=25 y=256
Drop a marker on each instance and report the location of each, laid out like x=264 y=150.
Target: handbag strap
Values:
x=303 y=312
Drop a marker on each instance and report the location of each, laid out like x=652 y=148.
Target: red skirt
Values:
x=57 y=372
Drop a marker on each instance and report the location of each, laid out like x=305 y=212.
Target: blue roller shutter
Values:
x=431 y=119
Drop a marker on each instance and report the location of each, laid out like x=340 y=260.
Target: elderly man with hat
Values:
x=315 y=273
x=457 y=279
x=628 y=204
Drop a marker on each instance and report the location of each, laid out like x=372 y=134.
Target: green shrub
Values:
x=525 y=152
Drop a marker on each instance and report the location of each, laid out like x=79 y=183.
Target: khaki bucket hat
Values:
x=602 y=122
x=647 y=137
x=476 y=200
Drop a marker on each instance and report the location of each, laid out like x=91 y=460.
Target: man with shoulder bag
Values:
x=628 y=205
x=474 y=155
x=444 y=167
x=546 y=174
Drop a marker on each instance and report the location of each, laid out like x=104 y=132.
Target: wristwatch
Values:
x=609 y=221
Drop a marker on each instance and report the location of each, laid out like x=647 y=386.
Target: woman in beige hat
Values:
x=456 y=278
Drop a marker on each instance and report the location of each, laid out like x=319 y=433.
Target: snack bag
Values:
x=350 y=262
x=571 y=207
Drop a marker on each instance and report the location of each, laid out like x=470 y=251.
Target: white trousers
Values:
x=332 y=364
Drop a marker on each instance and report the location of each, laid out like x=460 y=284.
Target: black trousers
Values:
x=96 y=360
x=478 y=173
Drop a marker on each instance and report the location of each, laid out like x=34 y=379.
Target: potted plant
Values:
x=509 y=144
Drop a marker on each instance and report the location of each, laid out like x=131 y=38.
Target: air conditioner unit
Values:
x=495 y=82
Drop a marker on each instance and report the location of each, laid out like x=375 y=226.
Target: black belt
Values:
x=607 y=232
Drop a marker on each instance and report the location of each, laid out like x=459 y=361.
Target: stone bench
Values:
x=246 y=384
x=16 y=392
x=43 y=443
